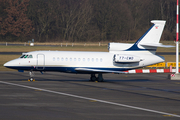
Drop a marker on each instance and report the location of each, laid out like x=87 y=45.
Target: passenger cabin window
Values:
x=70 y=59
x=96 y=59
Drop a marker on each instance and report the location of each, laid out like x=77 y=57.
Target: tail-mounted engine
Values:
x=126 y=59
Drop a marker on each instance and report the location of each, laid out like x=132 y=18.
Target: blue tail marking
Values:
x=135 y=46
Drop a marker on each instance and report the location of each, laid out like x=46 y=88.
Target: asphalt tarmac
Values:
x=61 y=96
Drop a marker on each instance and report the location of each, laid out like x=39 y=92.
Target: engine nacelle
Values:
x=126 y=59
x=118 y=46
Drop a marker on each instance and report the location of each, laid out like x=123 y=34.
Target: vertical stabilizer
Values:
x=154 y=34
x=150 y=39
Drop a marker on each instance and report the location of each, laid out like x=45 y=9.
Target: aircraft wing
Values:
x=156 y=45
x=90 y=70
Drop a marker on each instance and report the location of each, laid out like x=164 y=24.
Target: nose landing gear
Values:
x=31 y=74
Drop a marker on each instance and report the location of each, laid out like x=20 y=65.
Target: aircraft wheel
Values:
x=100 y=80
x=93 y=77
x=100 y=77
x=31 y=74
x=31 y=79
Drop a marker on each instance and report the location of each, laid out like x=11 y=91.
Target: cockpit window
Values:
x=26 y=56
x=22 y=56
x=30 y=56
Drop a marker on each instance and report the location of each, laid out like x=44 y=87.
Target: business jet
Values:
x=121 y=57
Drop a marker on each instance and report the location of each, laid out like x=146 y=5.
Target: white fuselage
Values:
x=69 y=61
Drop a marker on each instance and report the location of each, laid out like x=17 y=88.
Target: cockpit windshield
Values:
x=22 y=56
x=30 y=56
x=26 y=56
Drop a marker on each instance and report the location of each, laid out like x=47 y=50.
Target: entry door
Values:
x=40 y=62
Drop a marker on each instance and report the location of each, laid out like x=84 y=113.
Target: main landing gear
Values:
x=31 y=74
x=99 y=78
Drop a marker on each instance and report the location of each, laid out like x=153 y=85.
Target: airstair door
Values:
x=40 y=62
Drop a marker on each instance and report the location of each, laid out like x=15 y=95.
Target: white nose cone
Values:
x=6 y=64
x=11 y=63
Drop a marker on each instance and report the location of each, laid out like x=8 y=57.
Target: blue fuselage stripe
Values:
x=65 y=69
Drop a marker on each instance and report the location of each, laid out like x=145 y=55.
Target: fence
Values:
x=62 y=44
x=164 y=64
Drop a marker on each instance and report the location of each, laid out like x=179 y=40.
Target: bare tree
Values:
x=77 y=20
x=16 y=21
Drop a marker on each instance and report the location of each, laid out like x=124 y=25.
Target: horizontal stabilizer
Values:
x=156 y=45
x=90 y=70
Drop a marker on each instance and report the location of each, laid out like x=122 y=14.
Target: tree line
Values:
x=83 y=20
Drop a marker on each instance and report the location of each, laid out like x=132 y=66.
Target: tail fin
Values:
x=147 y=42
x=150 y=40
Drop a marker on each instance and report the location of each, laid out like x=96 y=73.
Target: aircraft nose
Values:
x=6 y=64
x=10 y=64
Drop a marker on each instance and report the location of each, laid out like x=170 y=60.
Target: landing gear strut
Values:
x=99 y=78
x=93 y=77
x=31 y=74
